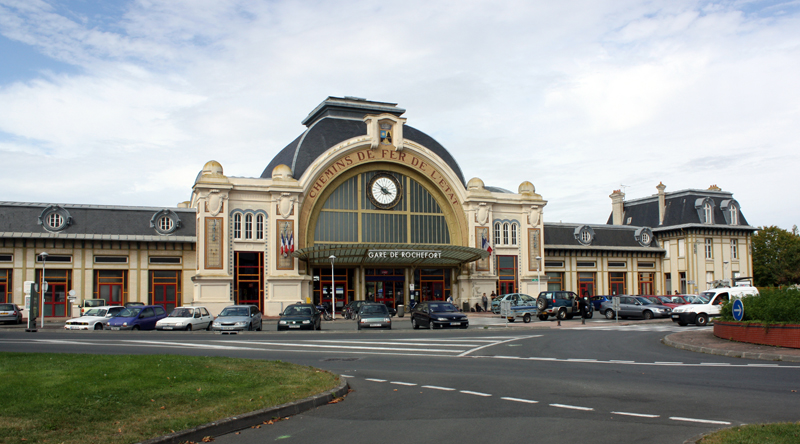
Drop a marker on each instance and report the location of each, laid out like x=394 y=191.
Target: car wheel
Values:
x=431 y=325
x=648 y=314
x=327 y=316
x=589 y=314
x=135 y=327
x=543 y=317
x=527 y=318
x=609 y=314
x=414 y=324
x=189 y=327
x=208 y=327
x=562 y=314
x=511 y=319
x=682 y=324
x=541 y=303
x=98 y=326
x=701 y=320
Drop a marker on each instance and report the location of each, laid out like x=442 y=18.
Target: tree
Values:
x=776 y=256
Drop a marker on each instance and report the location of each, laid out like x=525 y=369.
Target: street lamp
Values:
x=44 y=288
x=538 y=274
x=333 y=289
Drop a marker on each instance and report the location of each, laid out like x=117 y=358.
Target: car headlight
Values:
x=441 y=319
x=282 y=322
x=306 y=322
x=215 y=324
x=124 y=324
x=387 y=320
x=241 y=324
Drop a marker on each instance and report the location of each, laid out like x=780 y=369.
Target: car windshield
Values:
x=296 y=311
x=96 y=312
x=374 y=309
x=644 y=301
x=182 y=313
x=697 y=299
x=93 y=303
x=235 y=311
x=130 y=312
x=444 y=307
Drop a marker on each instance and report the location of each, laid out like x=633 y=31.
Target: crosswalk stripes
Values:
x=633 y=328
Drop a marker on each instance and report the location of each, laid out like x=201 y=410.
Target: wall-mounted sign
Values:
x=404 y=254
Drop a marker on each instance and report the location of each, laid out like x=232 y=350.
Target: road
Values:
x=598 y=383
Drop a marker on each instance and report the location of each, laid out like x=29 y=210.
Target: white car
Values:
x=94 y=319
x=186 y=318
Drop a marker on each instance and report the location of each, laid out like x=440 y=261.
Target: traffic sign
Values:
x=738 y=310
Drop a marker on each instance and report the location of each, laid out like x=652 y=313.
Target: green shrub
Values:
x=772 y=306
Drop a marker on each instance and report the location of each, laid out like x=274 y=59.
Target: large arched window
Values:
x=505 y=233
x=237 y=226
x=708 y=213
x=514 y=234
x=248 y=226
x=349 y=216
x=497 y=232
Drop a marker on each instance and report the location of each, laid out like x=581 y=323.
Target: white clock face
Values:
x=384 y=190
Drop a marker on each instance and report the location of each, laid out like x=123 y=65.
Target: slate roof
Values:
x=606 y=237
x=679 y=211
x=96 y=222
x=337 y=120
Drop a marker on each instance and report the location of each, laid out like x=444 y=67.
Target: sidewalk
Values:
x=704 y=341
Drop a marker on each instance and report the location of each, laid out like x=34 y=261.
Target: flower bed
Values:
x=777 y=335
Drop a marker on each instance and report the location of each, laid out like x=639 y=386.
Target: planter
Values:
x=777 y=335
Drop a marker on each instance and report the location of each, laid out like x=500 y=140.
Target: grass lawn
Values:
x=780 y=433
x=82 y=398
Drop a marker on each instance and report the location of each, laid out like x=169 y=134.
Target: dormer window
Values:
x=708 y=214
x=165 y=222
x=55 y=218
x=54 y=221
x=730 y=209
x=584 y=235
x=705 y=210
x=644 y=236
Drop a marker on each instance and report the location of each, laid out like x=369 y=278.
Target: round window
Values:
x=55 y=221
x=165 y=224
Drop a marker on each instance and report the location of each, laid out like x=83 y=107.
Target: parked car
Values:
x=663 y=300
x=561 y=304
x=517 y=299
x=10 y=313
x=350 y=310
x=372 y=315
x=186 y=318
x=437 y=314
x=92 y=303
x=634 y=306
x=134 y=303
x=137 y=318
x=94 y=318
x=300 y=317
x=708 y=305
x=598 y=300
x=238 y=318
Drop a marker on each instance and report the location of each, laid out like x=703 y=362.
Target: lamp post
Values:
x=43 y=255
x=333 y=289
x=538 y=274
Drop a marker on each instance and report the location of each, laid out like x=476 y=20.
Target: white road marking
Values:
x=571 y=407
x=346 y=347
x=621 y=362
x=375 y=380
x=402 y=383
x=704 y=421
x=436 y=387
x=496 y=343
x=527 y=401
x=715 y=363
x=667 y=362
x=581 y=360
x=638 y=415
x=348 y=376
x=467 y=392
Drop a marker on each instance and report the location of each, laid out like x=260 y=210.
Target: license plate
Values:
x=676 y=316
x=455 y=323
x=227 y=328
x=374 y=325
x=5 y=313
x=115 y=328
x=72 y=327
x=294 y=326
x=167 y=328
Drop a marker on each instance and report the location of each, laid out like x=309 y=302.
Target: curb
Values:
x=729 y=353
x=243 y=421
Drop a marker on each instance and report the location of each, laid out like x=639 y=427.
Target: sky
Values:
x=123 y=102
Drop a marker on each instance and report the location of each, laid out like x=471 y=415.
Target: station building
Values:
x=361 y=206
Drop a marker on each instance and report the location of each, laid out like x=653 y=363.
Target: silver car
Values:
x=238 y=318
x=374 y=316
x=635 y=307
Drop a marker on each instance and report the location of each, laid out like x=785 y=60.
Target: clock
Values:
x=384 y=191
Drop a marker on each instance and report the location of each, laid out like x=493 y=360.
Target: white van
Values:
x=712 y=303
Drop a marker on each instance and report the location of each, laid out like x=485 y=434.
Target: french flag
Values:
x=485 y=245
x=290 y=248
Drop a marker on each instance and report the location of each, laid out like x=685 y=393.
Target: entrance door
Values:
x=165 y=295
x=339 y=288
x=112 y=293
x=249 y=278
x=55 y=299
x=507 y=287
x=432 y=291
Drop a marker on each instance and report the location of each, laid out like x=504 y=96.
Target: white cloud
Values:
x=577 y=97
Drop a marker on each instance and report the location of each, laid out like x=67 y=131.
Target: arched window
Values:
x=708 y=213
x=248 y=226
x=734 y=215
x=237 y=226
x=165 y=223
x=260 y=226
x=586 y=236
x=55 y=221
x=513 y=234
x=497 y=232
x=505 y=233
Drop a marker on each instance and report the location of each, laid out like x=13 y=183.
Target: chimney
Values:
x=617 y=207
x=662 y=202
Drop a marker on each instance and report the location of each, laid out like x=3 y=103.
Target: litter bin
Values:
x=465 y=307
x=400 y=310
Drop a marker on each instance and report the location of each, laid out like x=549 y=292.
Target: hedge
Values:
x=773 y=306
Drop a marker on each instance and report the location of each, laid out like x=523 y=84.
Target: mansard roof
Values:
x=681 y=210
x=603 y=237
x=98 y=222
x=338 y=119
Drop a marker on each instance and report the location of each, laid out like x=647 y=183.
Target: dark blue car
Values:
x=139 y=317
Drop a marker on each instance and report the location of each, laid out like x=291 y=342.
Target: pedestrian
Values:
x=450 y=298
x=493 y=296
x=582 y=306
x=485 y=302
